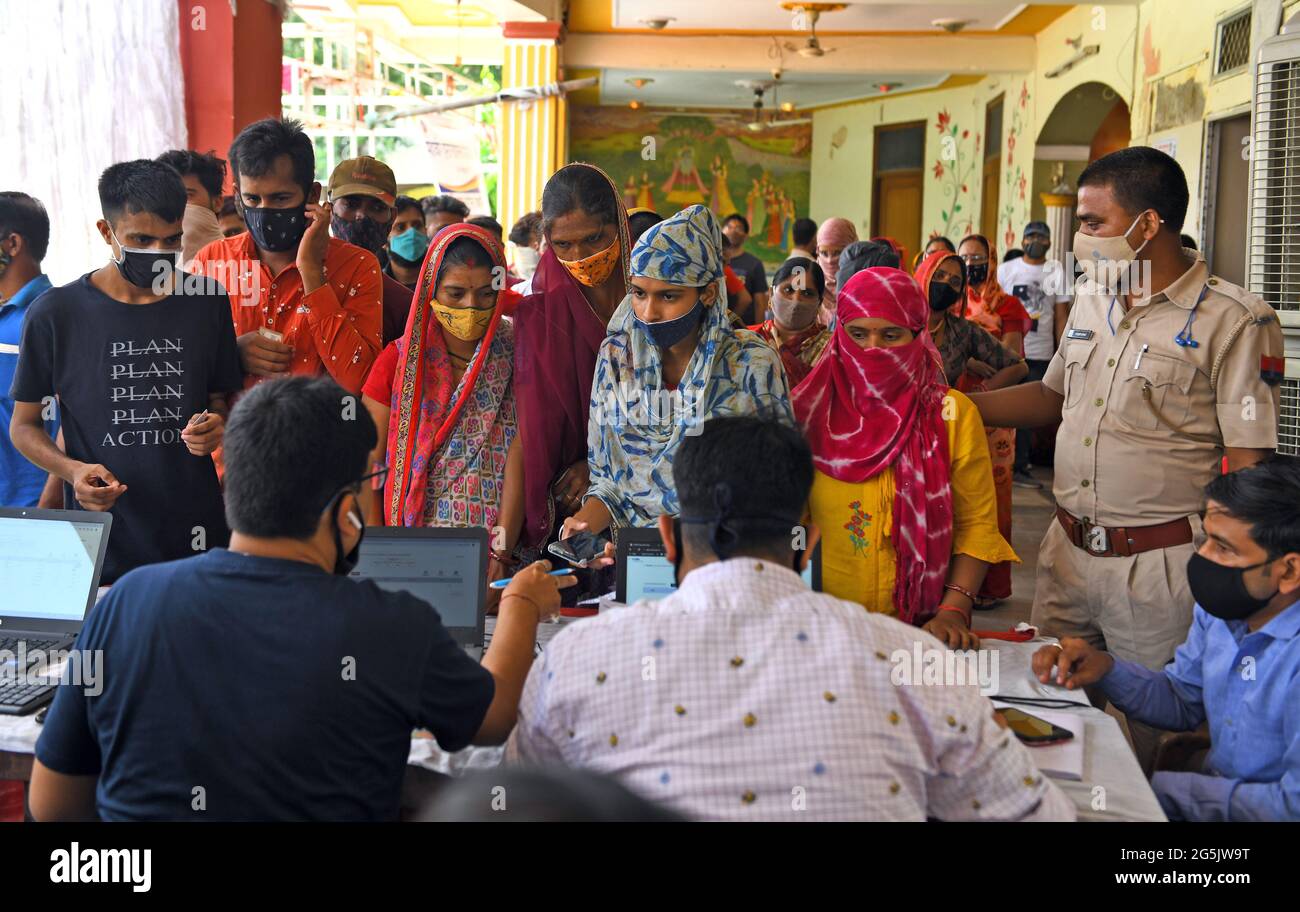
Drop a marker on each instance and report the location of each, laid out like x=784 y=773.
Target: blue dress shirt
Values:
x=1248 y=686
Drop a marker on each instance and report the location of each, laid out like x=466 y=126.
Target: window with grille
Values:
x=1275 y=185
x=1233 y=44
x=1288 y=432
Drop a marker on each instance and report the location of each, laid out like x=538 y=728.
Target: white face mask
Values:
x=1107 y=260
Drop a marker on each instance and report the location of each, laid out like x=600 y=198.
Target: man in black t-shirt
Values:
x=260 y=682
x=138 y=358
x=746 y=265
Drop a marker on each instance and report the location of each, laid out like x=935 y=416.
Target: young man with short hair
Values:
x=723 y=698
x=24 y=238
x=260 y=682
x=302 y=302
x=204 y=176
x=1239 y=669
x=804 y=234
x=441 y=211
x=138 y=360
x=749 y=267
x=1042 y=288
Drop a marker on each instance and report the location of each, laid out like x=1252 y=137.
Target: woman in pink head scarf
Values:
x=903 y=488
x=832 y=237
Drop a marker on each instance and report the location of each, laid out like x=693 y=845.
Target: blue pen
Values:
x=502 y=583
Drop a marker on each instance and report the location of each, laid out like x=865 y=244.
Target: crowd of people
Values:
x=258 y=378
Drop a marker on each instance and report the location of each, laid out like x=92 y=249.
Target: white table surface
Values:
x=1108 y=762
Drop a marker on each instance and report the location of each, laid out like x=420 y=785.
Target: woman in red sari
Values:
x=1006 y=319
x=559 y=328
x=443 y=399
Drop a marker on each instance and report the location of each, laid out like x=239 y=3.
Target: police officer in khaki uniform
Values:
x=1153 y=385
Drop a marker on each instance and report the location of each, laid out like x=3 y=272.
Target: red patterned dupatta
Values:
x=866 y=410
x=423 y=415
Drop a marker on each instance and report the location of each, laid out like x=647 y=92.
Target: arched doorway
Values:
x=1089 y=121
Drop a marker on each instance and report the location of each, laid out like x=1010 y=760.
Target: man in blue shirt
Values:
x=24 y=238
x=259 y=682
x=1240 y=666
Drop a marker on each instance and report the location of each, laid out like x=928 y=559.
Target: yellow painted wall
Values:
x=1158 y=45
x=842 y=177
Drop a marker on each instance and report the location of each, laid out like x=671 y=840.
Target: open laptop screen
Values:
x=644 y=571
x=48 y=565
x=445 y=571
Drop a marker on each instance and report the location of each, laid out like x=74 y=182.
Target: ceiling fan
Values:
x=809 y=13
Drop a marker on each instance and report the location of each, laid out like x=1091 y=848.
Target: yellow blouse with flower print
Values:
x=856 y=519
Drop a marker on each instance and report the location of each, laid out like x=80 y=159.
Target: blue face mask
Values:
x=409 y=246
x=667 y=333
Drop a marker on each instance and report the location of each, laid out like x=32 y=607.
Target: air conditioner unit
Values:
x=1273 y=270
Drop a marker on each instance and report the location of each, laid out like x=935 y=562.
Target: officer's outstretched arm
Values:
x=1028 y=405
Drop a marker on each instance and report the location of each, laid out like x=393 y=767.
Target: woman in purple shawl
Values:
x=579 y=283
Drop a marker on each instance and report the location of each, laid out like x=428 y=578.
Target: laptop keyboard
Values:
x=11 y=644
x=20 y=697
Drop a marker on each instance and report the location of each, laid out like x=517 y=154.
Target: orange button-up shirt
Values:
x=334 y=329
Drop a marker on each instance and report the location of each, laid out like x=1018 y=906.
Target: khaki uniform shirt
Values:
x=1117 y=463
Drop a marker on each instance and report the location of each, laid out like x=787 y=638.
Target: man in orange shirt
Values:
x=302 y=302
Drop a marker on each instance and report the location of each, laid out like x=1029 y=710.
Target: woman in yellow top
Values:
x=903 y=492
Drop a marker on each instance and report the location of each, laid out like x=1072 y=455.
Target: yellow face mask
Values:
x=465 y=323
x=595 y=269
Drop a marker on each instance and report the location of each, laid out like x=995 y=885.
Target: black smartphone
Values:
x=579 y=549
x=1020 y=291
x=1031 y=729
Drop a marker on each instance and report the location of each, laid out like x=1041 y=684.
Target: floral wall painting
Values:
x=1015 y=182
x=668 y=161
x=953 y=170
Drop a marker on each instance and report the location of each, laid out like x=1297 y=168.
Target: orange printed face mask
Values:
x=595 y=269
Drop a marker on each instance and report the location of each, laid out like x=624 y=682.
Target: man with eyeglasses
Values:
x=259 y=682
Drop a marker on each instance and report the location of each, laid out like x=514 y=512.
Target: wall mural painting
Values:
x=953 y=168
x=667 y=162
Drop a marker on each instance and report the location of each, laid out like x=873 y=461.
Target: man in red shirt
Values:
x=302 y=302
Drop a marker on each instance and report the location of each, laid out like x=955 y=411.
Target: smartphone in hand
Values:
x=579 y=549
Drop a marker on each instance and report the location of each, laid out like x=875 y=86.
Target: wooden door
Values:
x=898 y=213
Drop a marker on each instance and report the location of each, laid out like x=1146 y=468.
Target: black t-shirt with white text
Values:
x=128 y=377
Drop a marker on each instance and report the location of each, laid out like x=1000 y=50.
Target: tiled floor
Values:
x=1031 y=512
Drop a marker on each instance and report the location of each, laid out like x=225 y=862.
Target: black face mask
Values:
x=345 y=563
x=942 y=296
x=276 y=230
x=976 y=273
x=144 y=267
x=1221 y=591
x=1035 y=249
x=365 y=233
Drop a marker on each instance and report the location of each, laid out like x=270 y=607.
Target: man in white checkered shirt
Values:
x=746 y=696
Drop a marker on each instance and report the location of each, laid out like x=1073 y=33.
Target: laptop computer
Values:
x=643 y=570
x=50 y=564
x=447 y=568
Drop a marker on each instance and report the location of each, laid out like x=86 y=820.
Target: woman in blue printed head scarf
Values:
x=670 y=362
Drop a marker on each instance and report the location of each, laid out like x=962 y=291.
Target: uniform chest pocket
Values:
x=1159 y=387
x=1077 y=355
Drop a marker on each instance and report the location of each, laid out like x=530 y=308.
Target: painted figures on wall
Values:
x=667 y=162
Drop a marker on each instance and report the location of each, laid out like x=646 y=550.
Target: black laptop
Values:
x=447 y=568
x=50 y=563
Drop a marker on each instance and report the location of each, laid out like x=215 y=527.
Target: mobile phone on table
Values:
x=579 y=549
x=1031 y=729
